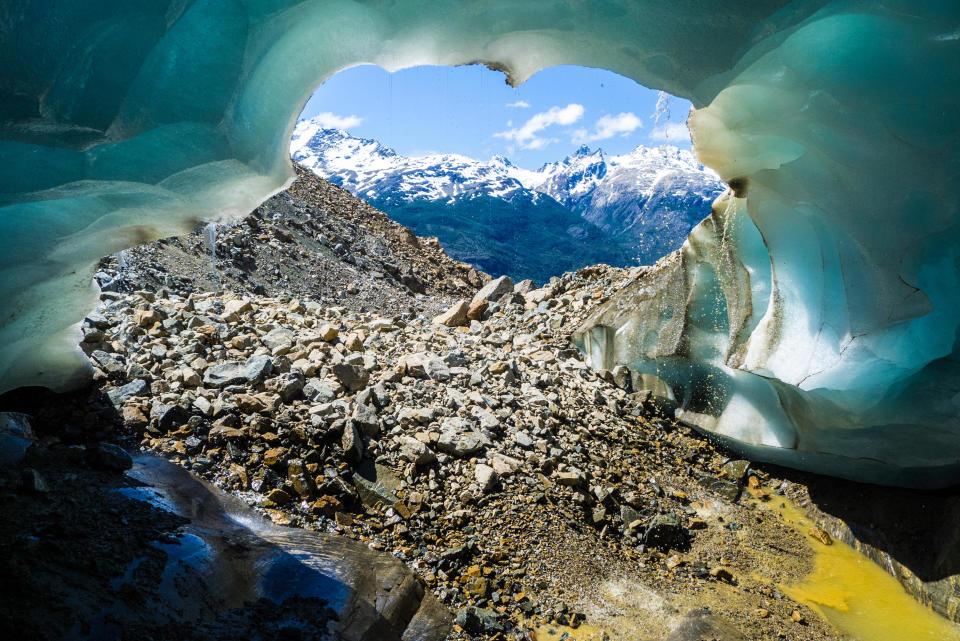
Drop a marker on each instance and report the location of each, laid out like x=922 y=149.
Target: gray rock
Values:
x=109 y=363
x=223 y=374
x=376 y=395
x=478 y=620
x=289 y=386
x=524 y=286
x=353 y=377
x=736 y=470
x=523 y=440
x=135 y=370
x=494 y=290
x=456 y=358
x=203 y=406
x=257 y=368
x=628 y=515
x=168 y=417
x=318 y=391
x=253 y=370
x=666 y=532
x=110 y=457
x=416 y=452
x=424 y=364
x=134 y=388
x=726 y=488
x=365 y=418
x=486 y=477
x=32 y=481
x=622 y=378
x=460 y=443
x=93 y=335
x=487 y=419
x=98 y=320
x=351 y=444
x=376 y=484
x=278 y=340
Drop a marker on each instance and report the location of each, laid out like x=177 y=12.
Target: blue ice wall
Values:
x=812 y=320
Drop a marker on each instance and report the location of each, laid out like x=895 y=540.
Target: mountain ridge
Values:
x=616 y=209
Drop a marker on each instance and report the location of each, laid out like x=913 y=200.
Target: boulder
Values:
x=415 y=451
x=477 y=309
x=456 y=316
x=486 y=477
x=168 y=417
x=112 y=364
x=666 y=532
x=278 y=341
x=353 y=377
x=134 y=388
x=365 y=418
x=109 y=457
x=253 y=370
x=351 y=444
x=495 y=289
x=460 y=443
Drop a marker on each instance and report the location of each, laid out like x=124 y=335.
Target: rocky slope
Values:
x=523 y=488
x=313 y=239
x=585 y=209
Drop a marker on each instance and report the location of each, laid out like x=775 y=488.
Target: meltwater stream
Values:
x=240 y=558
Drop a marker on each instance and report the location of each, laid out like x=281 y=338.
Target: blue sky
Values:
x=472 y=111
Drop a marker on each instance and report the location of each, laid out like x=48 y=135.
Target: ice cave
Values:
x=811 y=320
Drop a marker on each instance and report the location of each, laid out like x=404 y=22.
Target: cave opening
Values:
x=809 y=321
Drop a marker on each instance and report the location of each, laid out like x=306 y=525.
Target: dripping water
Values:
x=210 y=242
x=121 y=280
x=662 y=110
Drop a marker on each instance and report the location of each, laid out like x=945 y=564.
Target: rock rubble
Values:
x=484 y=453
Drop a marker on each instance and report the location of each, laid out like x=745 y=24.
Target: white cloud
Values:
x=671 y=132
x=520 y=104
x=329 y=120
x=623 y=124
x=527 y=136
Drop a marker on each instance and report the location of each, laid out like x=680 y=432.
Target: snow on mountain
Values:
x=647 y=199
x=372 y=171
x=630 y=194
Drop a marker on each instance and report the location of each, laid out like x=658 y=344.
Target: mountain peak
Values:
x=583 y=150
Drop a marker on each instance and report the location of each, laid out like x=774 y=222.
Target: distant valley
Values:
x=585 y=209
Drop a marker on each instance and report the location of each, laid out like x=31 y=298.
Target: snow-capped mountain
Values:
x=374 y=172
x=645 y=201
x=593 y=184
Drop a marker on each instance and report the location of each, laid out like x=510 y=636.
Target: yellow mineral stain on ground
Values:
x=856 y=596
x=582 y=633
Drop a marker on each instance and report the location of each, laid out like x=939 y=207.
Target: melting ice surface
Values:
x=811 y=321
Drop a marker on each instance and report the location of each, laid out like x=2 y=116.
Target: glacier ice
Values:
x=811 y=320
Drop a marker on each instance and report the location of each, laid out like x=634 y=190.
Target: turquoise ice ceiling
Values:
x=821 y=318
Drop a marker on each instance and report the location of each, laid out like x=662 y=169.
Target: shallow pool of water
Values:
x=856 y=596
